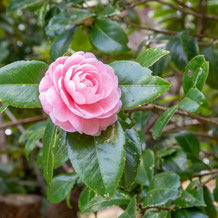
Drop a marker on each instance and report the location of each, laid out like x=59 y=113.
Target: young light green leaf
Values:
x=91 y=202
x=162 y=121
x=47 y=151
x=150 y=56
x=133 y=151
x=137 y=85
x=93 y=161
x=164 y=187
x=60 y=149
x=18 y=83
x=108 y=36
x=62 y=43
x=61 y=187
x=182 y=49
x=146 y=168
x=194 y=102
x=191 y=197
x=3 y=108
x=21 y=4
x=188 y=142
x=195 y=74
x=130 y=210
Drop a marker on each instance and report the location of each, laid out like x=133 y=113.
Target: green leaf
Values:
x=190 y=213
x=182 y=49
x=210 y=208
x=188 y=142
x=31 y=144
x=140 y=87
x=191 y=197
x=164 y=187
x=61 y=43
x=130 y=210
x=194 y=102
x=42 y=13
x=60 y=149
x=18 y=83
x=61 y=187
x=21 y=4
x=47 y=151
x=211 y=55
x=146 y=168
x=3 y=108
x=177 y=162
x=91 y=202
x=157 y=214
x=158 y=67
x=66 y=19
x=162 y=121
x=108 y=36
x=195 y=74
x=150 y=56
x=215 y=192
x=99 y=161
x=133 y=151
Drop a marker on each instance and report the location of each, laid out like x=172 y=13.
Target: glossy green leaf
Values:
x=60 y=149
x=3 y=108
x=195 y=74
x=158 y=67
x=188 y=142
x=194 y=102
x=91 y=202
x=211 y=55
x=177 y=162
x=20 y=4
x=92 y=158
x=191 y=197
x=31 y=143
x=210 y=208
x=18 y=83
x=150 y=56
x=157 y=214
x=61 y=187
x=137 y=85
x=164 y=187
x=67 y=19
x=162 y=121
x=182 y=49
x=130 y=210
x=146 y=168
x=47 y=151
x=22 y=72
x=61 y=43
x=42 y=13
x=133 y=151
x=165 y=152
x=215 y=192
x=108 y=36
x=190 y=213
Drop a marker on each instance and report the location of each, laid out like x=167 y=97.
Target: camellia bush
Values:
x=118 y=99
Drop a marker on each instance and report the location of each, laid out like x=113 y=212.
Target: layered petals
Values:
x=80 y=94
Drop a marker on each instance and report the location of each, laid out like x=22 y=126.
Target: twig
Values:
x=162 y=31
x=179 y=112
x=208 y=180
x=20 y=122
x=184 y=11
x=185 y=5
x=206 y=173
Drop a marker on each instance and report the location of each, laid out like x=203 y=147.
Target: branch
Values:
x=184 y=11
x=208 y=180
x=185 y=5
x=152 y=107
x=213 y=171
x=21 y=122
x=198 y=35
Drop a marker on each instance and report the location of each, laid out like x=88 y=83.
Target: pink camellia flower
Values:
x=80 y=94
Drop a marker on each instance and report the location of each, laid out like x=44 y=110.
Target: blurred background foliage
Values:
x=46 y=29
